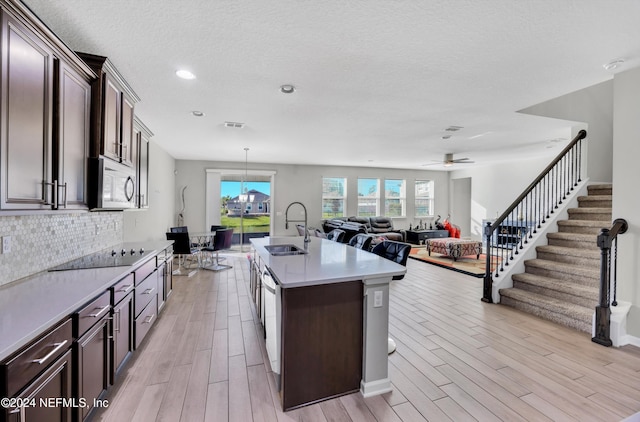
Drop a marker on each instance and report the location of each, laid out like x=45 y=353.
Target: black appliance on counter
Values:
x=110 y=257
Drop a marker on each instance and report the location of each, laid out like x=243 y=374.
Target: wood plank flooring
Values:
x=457 y=359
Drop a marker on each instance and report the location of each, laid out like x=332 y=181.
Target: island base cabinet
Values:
x=321 y=342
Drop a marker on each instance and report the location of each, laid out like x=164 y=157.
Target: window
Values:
x=394 y=198
x=368 y=197
x=334 y=197
x=424 y=198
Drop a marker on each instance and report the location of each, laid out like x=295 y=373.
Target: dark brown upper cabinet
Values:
x=112 y=113
x=142 y=134
x=44 y=109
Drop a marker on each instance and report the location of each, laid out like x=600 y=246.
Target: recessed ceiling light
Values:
x=614 y=64
x=197 y=113
x=287 y=89
x=185 y=74
x=446 y=137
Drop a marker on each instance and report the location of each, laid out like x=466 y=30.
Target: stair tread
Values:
x=582 y=223
x=594 y=197
x=590 y=210
x=564 y=250
x=563 y=267
x=558 y=285
x=578 y=237
x=549 y=303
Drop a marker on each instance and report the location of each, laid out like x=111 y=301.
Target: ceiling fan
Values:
x=449 y=161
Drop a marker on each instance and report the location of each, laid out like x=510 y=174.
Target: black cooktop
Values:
x=105 y=259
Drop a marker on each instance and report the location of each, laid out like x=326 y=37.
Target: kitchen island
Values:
x=332 y=316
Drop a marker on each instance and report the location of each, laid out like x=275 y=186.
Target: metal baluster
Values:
x=579 y=161
x=615 y=271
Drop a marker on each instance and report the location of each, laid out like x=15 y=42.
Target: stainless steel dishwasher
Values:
x=272 y=322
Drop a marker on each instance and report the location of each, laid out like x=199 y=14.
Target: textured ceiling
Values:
x=378 y=82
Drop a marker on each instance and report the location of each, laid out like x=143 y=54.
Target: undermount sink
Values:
x=284 y=250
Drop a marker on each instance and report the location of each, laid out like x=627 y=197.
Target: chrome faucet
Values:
x=287 y=221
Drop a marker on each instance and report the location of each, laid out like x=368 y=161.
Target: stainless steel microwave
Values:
x=116 y=185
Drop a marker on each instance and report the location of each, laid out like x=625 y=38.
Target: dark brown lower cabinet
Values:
x=48 y=397
x=160 y=275
x=92 y=365
x=122 y=327
x=321 y=342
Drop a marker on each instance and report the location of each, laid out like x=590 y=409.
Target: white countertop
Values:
x=325 y=262
x=30 y=306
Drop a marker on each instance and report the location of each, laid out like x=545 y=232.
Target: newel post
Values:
x=603 y=312
x=487 y=289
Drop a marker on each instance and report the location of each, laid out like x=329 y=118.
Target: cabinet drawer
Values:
x=145 y=291
x=30 y=362
x=122 y=288
x=86 y=317
x=145 y=270
x=145 y=320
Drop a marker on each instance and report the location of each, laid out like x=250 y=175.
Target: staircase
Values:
x=562 y=283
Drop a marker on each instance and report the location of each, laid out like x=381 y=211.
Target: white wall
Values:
x=152 y=223
x=303 y=184
x=626 y=192
x=494 y=188
x=593 y=106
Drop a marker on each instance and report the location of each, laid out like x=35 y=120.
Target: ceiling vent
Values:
x=453 y=128
x=234 y=125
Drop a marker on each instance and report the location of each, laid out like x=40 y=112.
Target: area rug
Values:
x=465 y=264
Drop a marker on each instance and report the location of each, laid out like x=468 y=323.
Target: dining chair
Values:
x=221 y=241
x=183 y=248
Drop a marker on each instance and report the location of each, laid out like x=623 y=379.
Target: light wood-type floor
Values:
x=457 y=359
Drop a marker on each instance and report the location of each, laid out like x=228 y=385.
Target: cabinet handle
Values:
x=148 y=291
x=149 y=319
x=57 y=347
x=126 y=289
x=45 y=193
x=129 y=195
x=117 y=325
x=64 y=188
x=101 y=311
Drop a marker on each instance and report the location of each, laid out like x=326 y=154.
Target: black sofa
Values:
x=377 y=226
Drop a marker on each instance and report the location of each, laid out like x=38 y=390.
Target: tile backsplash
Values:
x=42 y=241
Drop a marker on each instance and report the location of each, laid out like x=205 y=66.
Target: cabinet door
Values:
x=122 y=333
x=27 y=77
x=168 y=277
x=111 y=119
x=143 y=171
x=52 y=384
x=92 y=377
x=129 y=145
x=71 y=146
x=161 y=275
